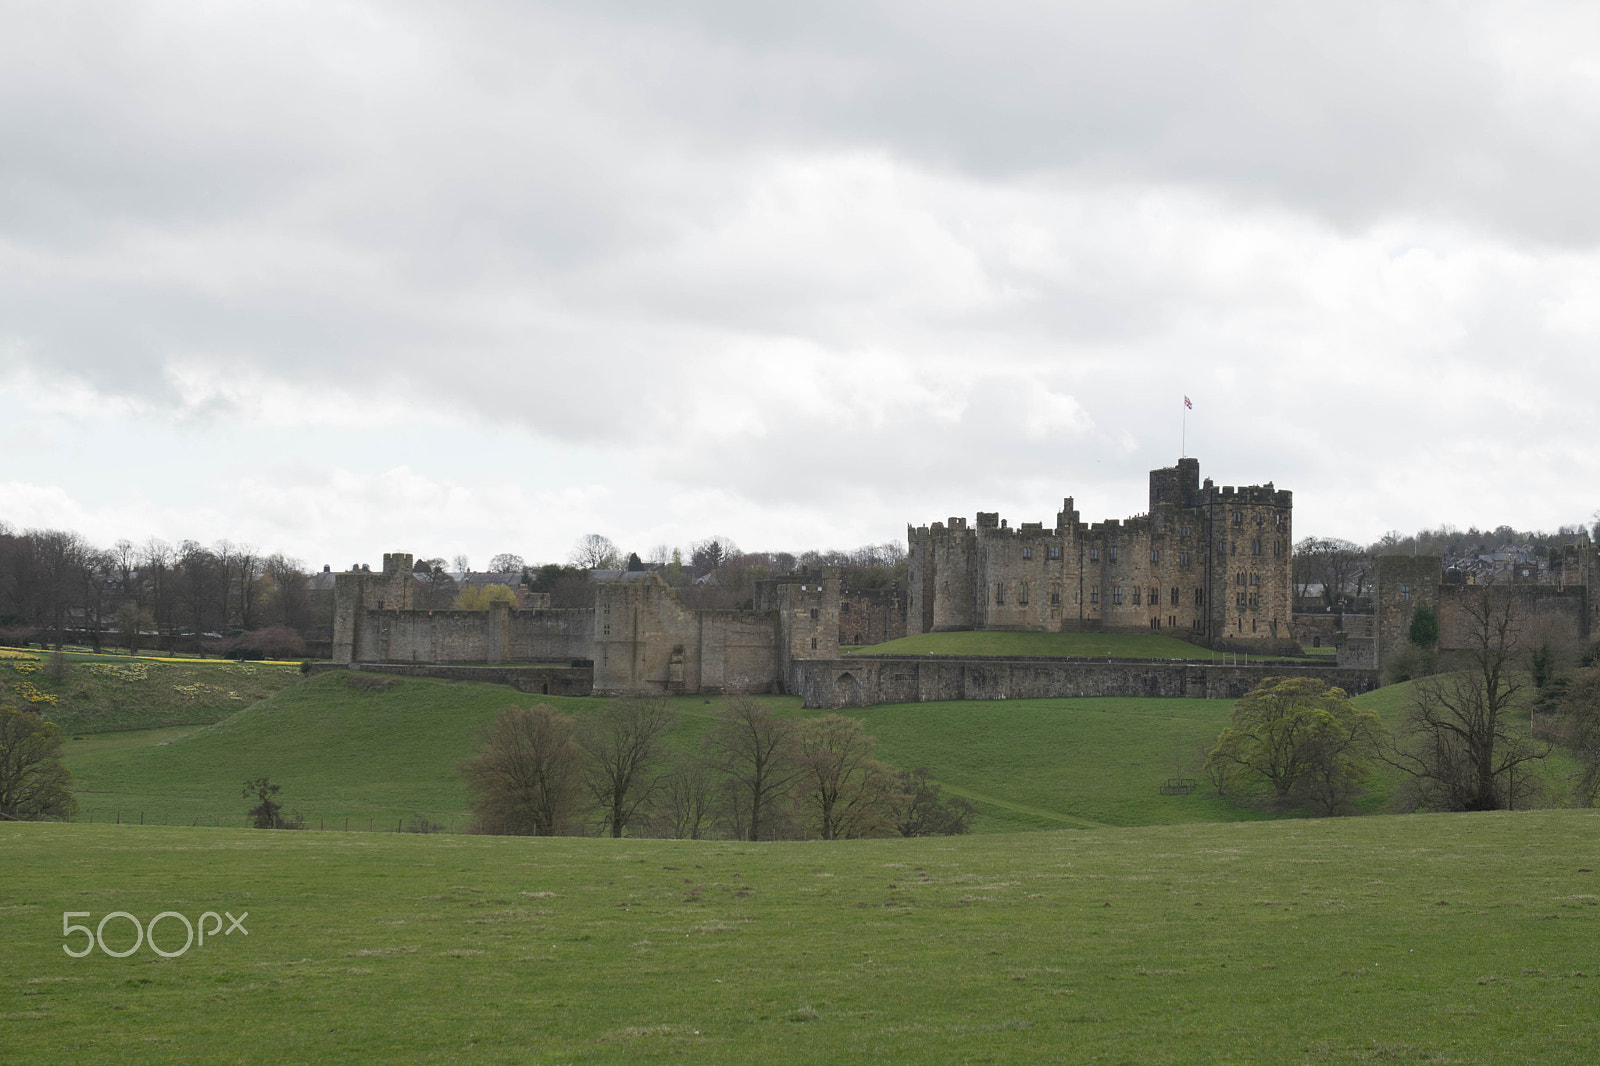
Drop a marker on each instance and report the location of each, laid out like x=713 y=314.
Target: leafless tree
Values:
x=593 y=551
x=758 y=755
x=506 y=563
x=683 y=806
x=1461 y=743
x=844 y=790
x=622 y=740
x=525 y=780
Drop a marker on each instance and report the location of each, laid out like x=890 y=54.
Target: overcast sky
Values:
x=339 y=278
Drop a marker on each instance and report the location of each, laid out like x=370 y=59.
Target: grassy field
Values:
x=1420 y=939
x=105 y=693
x=1088 y=645
x=370 y=752
x=377 y=750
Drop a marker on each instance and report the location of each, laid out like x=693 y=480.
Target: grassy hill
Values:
x=1420 y=939
x=84 y=693
x=376 y=749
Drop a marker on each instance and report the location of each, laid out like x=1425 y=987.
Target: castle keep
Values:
x=1207 y=564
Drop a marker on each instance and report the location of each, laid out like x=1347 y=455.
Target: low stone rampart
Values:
x=860 y=680
x=544 y=680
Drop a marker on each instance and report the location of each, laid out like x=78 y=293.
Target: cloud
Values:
x=486 y=272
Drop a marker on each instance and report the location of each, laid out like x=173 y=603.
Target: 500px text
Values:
x=142 y=934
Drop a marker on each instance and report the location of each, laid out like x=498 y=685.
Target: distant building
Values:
x=1207 y=564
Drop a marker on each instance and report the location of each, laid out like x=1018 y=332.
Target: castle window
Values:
x=1155 y=556
x=605 y=630
x=1255 y=599
x=1253 y=577
x=1113 y=550
x=1255 y=546
x=1238 y=518
x=1136 y=595
x=1277 y=547
x=813 y=643
x=813 y=614
x=1252 y=625
x=1183 y=558
x=1055 y=596
x=1239 y=601
x=1055 y=551
x=1116 y=595
x=1094 y=596
x=1185 y=531
x=1405 y=592
x=1233 y=547
x=844 y=608
x=1022 y=594
x=1000 y=592
x=1027 y=552
x=1094 y=555
x=1238 y=579
x=1174 y=596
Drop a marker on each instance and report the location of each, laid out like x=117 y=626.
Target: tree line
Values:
x=757 y=776
x=54 y=583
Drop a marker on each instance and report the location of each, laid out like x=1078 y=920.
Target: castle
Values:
x=1205 y=563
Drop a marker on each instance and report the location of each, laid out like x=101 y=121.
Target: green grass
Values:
x=375 y=750
x=1423 y=939
x=1009 y=644
x=107 y=693
x=371 y=751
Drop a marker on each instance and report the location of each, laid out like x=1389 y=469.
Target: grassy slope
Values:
x=105 y=693
x=1093 y=645
x=345 y=752
x=375 y=756
x=1458 y=938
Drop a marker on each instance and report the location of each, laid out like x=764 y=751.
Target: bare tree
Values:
x=845 y=791
x=758 y=754
x=1340 y=566
x=506 y=563
x=623 y=741
x=595 y=552
x=525 y=780
x=684 y=802
x=1460 y=743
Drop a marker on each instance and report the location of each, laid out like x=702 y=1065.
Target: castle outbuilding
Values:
x=1207 y=564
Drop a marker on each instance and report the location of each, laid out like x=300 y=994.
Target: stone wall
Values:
x=1318 y=629
x=541 y=680
x=1404 y=583
x=500 y=634
x=871 y=616
x=647 y=643
x=861 y=680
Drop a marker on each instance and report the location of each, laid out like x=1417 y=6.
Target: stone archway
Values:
x=846 y=691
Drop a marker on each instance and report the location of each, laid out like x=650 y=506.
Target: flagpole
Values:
x=1183 y=451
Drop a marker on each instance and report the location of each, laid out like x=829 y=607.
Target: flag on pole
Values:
x=1187 y=404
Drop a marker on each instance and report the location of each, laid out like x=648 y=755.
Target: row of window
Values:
x=1229 y=547
x=1154 y=596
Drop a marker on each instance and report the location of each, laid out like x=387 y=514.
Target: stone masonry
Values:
x=1208 y=564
